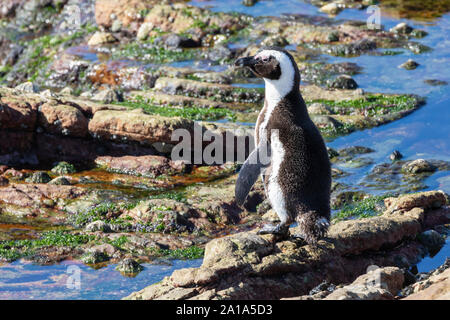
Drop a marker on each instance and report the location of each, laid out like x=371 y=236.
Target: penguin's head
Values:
x=276 y=66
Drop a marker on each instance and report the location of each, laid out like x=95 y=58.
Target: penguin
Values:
x=290 y=153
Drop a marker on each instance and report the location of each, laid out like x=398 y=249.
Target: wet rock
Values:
x=94 y=257
x=418 y=166
x=27 y=87
x=60 y=181
x=402 y=28
x=431 y=239
x=63 y=120
x=63 y=168
x=331 y=8
x=434 y=82
x=151 y=166
x=101 y=38
x=324 y=121
x=98 y=226
x=354 y=150
x=249 y=3
x=346 y=197
x=66 y=70
x=377 y=284
x=409 y=65
x=176 y=41
x=39 y=177
x=395 y=155
x=344 y=82
x=104 y=248
x=332 y=153
x=136 y=126
x=144 y=30
x=129 y=266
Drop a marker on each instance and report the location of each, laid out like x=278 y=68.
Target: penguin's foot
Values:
x=279 y=229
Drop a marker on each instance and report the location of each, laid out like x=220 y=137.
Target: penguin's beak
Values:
x=245 y=62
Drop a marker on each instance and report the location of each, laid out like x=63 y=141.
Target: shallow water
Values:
x=22 y=280
x=423 y=134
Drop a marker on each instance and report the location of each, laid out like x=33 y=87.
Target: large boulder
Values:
x=136 y=126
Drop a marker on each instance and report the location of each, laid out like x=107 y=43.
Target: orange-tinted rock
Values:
x=63 y=119
x=17 y=114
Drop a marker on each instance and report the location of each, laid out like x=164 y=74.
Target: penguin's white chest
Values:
x=274 y=191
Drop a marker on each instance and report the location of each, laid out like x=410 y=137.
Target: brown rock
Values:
x=377 y=284
x=27 y=195
x=437 y=287
x=3 y=181
x=63 y=119
x=127 y=11
x=140 y=165
x=16 y=113
x=136 y=126
x=428 y=199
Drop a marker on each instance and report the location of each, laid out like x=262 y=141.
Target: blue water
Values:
x=22 y=280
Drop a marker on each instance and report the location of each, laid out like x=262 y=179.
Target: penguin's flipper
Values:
x=255 y=164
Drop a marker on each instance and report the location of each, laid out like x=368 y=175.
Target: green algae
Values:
x=192 y=112
x=189 y=253
x=365 y=208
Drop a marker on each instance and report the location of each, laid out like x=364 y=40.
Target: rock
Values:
x=129 y=266
x=271 y=216
x=62 y=119
x=331 y=8
x=319 y=108
x=248 y=266
x=128 y=12
x=377 y=284
x=63 y=168
x=106 y=96
x=418 y=166
x=344 y=82
x=39 y=177
x=402 y=28
x=30 y=195
x=436 y=287
x=427 y=200
x=105 y=248
x=249 y=3
x=101 y=38
x=60 y=181
x=332 y=153
x=27 y=87
x=98 y=226
x=133 y=126
x=3 y=181
x=94 y=257
x=409 y=65
x=275 y=41
x=151 y=166
x=17 y=114
x=395 y=155
x=418 y=33
x=435 y=82
x=431 y=239
x=116 y=26
x=177 y=41
x=144 y=31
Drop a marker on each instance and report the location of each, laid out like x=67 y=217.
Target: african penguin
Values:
x=290 y=153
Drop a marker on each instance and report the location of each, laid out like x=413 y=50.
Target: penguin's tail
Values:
x=313 y=226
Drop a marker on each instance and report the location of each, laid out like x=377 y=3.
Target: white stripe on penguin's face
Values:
x=277 y=89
